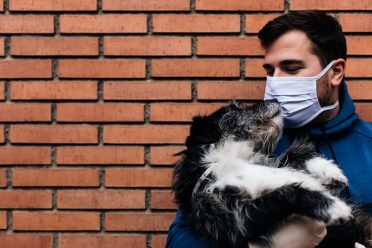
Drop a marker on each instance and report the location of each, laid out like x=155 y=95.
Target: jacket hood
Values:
x=344 y=118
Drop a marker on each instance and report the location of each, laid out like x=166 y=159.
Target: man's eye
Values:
x=293 y=70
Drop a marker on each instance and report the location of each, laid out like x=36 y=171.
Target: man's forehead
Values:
x=290 y=47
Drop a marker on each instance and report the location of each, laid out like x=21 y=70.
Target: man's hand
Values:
x=298 y=232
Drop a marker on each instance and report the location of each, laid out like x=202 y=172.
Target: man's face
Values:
x=291 y=55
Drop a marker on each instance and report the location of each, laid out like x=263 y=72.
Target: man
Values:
x=305 y=56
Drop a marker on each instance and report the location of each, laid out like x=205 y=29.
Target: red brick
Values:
x=196 y=23
x=161 y=199
x=104 y=23
x=355 y=22
x=195 y=68
x=240 y=5
x=26 y=240
x=253 y=68
x=331 y=5
x=110 y=155
x=53 y=221
x=71 y=90
x=93 y=112
x=254 y=22
x=359 y=67
x=145 y=134
x=55 y=177
x=79 y=134
x=138 y=177
x=147 y=46
x=25 y=199
x=2 y=178
x=360 y=90
x=2 y=90
x=101 y=241
x=164 y=155
x=159 y=241
x=23 y=155
x=226 y=90
x=107 y=199
x=22 y=112
x=181 y=111
x=2 y=47
x=229 y=46
x=359 y=45
x=152 y=90
x=108 y=68
x=2 y=140
x=1 y=6
x=3 y=220
x=26 y=24
x=365 y=111
x=55 y=5
x=148 y=5
x=54 y=46
x=26 y=68
x=138 y=221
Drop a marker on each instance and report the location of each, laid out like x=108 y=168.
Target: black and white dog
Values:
x=233 y=192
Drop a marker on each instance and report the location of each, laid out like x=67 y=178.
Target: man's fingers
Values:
x=300 y=232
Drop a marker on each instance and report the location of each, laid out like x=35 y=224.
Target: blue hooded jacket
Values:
x=346 y=139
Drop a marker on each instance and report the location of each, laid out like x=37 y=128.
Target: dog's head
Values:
x=260 y=124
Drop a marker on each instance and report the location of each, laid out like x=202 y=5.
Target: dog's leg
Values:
x=302 y=155
x=229 y=217
x=297 y=154
x=278 y=204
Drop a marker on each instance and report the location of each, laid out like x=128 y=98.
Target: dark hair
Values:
x=323 y=30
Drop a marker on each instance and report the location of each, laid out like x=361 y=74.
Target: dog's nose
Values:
x=272 y=100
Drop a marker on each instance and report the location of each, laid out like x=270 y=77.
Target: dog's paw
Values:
x=338 y=212
x=326 y=171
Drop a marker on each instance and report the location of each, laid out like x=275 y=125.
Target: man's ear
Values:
x=338 y=72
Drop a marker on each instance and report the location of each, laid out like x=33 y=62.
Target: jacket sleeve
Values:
x=179 y=236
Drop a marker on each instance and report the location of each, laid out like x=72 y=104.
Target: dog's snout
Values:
x=273 y=108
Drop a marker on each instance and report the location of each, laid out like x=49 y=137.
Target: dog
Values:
x=234 y=192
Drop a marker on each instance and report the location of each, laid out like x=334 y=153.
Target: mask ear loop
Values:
x=325 y=70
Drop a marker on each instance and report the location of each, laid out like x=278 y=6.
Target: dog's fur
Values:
x=233 y=192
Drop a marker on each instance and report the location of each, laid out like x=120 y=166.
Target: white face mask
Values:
x=297 y=98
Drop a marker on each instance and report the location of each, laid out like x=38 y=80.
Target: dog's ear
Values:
x=205 y=129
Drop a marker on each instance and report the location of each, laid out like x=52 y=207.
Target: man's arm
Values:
x=179 y=236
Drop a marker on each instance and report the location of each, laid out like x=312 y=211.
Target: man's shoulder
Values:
x=363 y=128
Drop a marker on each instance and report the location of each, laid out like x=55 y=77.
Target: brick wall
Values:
x=96 y=95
